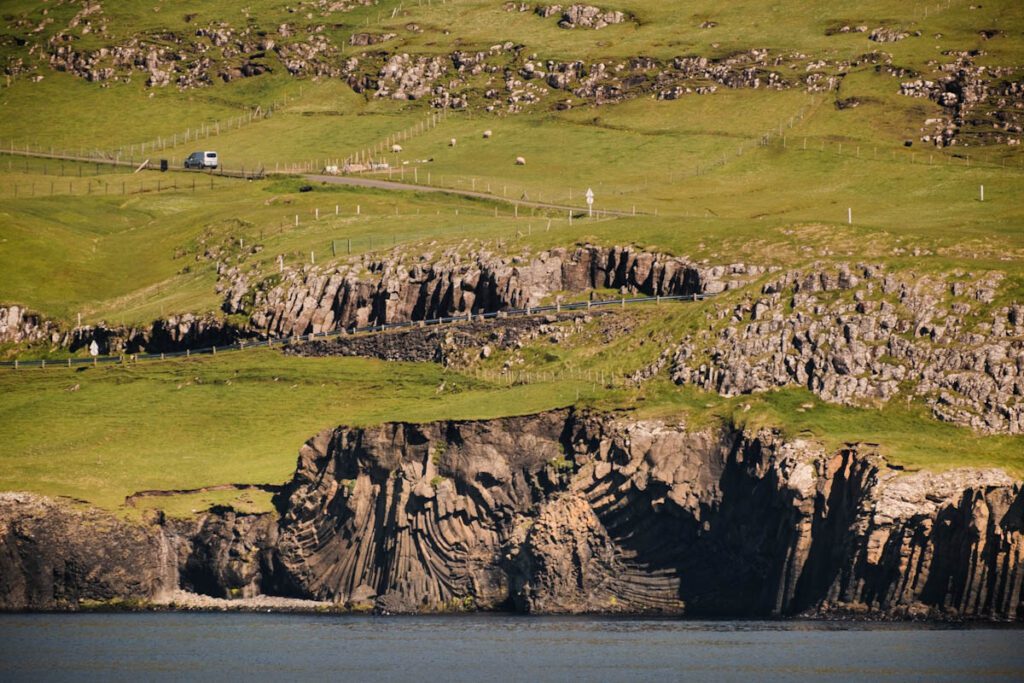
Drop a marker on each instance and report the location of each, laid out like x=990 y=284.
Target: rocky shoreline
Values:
x=555 y=513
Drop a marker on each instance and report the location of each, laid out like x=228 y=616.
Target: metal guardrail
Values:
x=337 y=332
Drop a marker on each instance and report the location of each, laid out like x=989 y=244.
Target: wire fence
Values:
x=203 y=131
x=371 y=163
x=524 y=225
x=952 y=157
x=242 y=345
x=63 y=177
x=132 y=164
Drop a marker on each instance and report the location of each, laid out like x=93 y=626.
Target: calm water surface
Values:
x=232 y=646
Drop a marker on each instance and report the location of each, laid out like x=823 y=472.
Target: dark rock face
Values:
x=221 y=554
x=560 y=513
x=53 y=556
x=642 y=517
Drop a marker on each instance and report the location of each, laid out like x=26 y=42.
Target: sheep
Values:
x=452 y=142
x=520 y=161
x=396 y=148
x=487 y=134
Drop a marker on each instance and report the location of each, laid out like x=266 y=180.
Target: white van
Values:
x=201 y=160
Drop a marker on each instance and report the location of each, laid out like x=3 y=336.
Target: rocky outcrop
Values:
x=57 y=556
x=174 y=333
x=377 y=290
x=409 y=78
x=581 y=16
x=861 y=335
x=392 y=290
x=196 y=58
x=981 y=104
x=557 y=513
x=885 y=34
x=20 y=326
x=560 y=512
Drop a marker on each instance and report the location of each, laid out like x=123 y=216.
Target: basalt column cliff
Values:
x=563 y=513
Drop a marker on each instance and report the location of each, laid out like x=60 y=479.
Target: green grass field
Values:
x=235 y=418
x=127 y=248
x=101 y=434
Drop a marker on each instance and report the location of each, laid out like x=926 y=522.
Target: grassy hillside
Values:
x=101 y=434
x=760 y=175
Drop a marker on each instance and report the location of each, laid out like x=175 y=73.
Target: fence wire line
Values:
x=342 y=331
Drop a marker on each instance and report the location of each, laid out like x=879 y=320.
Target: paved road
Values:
x=359 y=181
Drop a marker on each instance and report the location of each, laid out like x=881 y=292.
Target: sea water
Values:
x=437 y=649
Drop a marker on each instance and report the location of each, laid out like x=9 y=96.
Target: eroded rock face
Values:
x=562 y=513
x=53 y=556
x=222 y=554
x=18 y=325
x=392 y=290
x=860 y=335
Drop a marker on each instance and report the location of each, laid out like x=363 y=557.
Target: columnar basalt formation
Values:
x=562 y=512
x=643 y=516
x=392 y=290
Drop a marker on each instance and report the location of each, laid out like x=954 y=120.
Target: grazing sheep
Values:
x=396 y=148
x=452 y=143
x=487 y=134
x=520 y=161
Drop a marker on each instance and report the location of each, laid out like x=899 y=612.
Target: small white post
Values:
x=982 y=192
x=335 y=209
x=296 y=219
x=317 y=213
x=312 y=257
x=357 y=209
x=849 y=216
